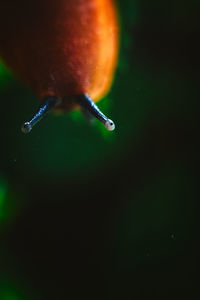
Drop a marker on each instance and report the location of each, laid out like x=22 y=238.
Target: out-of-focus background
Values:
x=85 y=212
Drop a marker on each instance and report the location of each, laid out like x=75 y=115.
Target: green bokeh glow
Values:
x=8 y=292
x=4 y=75
x=9 y=295
x=3 y=198
x=9 y=202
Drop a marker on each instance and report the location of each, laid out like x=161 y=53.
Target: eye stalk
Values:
x=88 y=105
x=48 y=104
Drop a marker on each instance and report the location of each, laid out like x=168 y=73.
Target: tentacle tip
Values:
x=26 y=127
x=110 y=125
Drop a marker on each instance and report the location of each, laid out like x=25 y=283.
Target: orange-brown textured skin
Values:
x=61 y=48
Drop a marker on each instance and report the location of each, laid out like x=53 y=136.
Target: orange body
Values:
x=60 y=48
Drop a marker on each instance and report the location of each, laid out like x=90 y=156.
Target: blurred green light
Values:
x=3 y=194
x=2 y=71
x=4 y=75
x=7 y=202
x=9 y=295
x=8 y=292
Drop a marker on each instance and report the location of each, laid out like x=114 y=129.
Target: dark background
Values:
x=86 y=213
